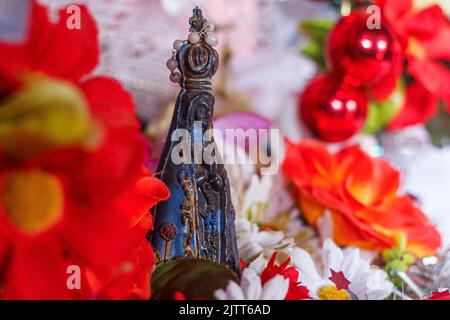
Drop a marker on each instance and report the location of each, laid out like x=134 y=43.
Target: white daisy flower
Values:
x=251 y=288
x=280 y=212
x=366 y=282
x=255 y=202
x=259 y=264
x=280 y=198
x=252 y=242
x=239 y=171
x=264 y=198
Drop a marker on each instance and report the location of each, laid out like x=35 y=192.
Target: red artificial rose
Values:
x=419 y=106
x=75 y=195
x=361 y=195
x=425 y=37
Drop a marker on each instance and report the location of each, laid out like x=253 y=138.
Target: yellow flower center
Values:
x=332 y=293
x=33 y=200
x=416 y=49
x=45 y=114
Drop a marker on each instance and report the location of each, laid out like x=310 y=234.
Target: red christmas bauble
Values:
x=333 y=110
x=356 y=47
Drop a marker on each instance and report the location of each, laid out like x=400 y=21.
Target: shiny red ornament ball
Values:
x=333 y=110
x=360 y=52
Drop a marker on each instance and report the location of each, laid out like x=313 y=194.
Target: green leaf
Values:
x=195 y=278
x=314 y=51
x=316 y=29
x=381 y=112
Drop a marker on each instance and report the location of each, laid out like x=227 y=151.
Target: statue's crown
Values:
x=196 y=21
x=198 y=61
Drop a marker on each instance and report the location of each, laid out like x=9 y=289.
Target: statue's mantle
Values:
x=198 y=219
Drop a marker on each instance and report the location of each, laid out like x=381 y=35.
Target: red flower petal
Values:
x=179 y=296
x=272 y=270
x=109 y=170
x=419 y=106
x=426 y=23
x=394 y=12
x=134 y=282
x=79 y=47
x=350 y=231
x=437 y=46
x=14 y=58
x=400 y=214
x=384 y=88
x=371 y=181
x=443 y=295
x=145 y=194
x=111 y=104
x=102 y=234
x=108 y=194
x=37 y=270
x=307 y=161
x=54 y=48
x=394 y=9
x=119 y=159
x=360 y=193
x=99 y=236
x=296 y=291
x=433 y=76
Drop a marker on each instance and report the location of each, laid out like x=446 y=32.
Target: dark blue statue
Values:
x=198 y=219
